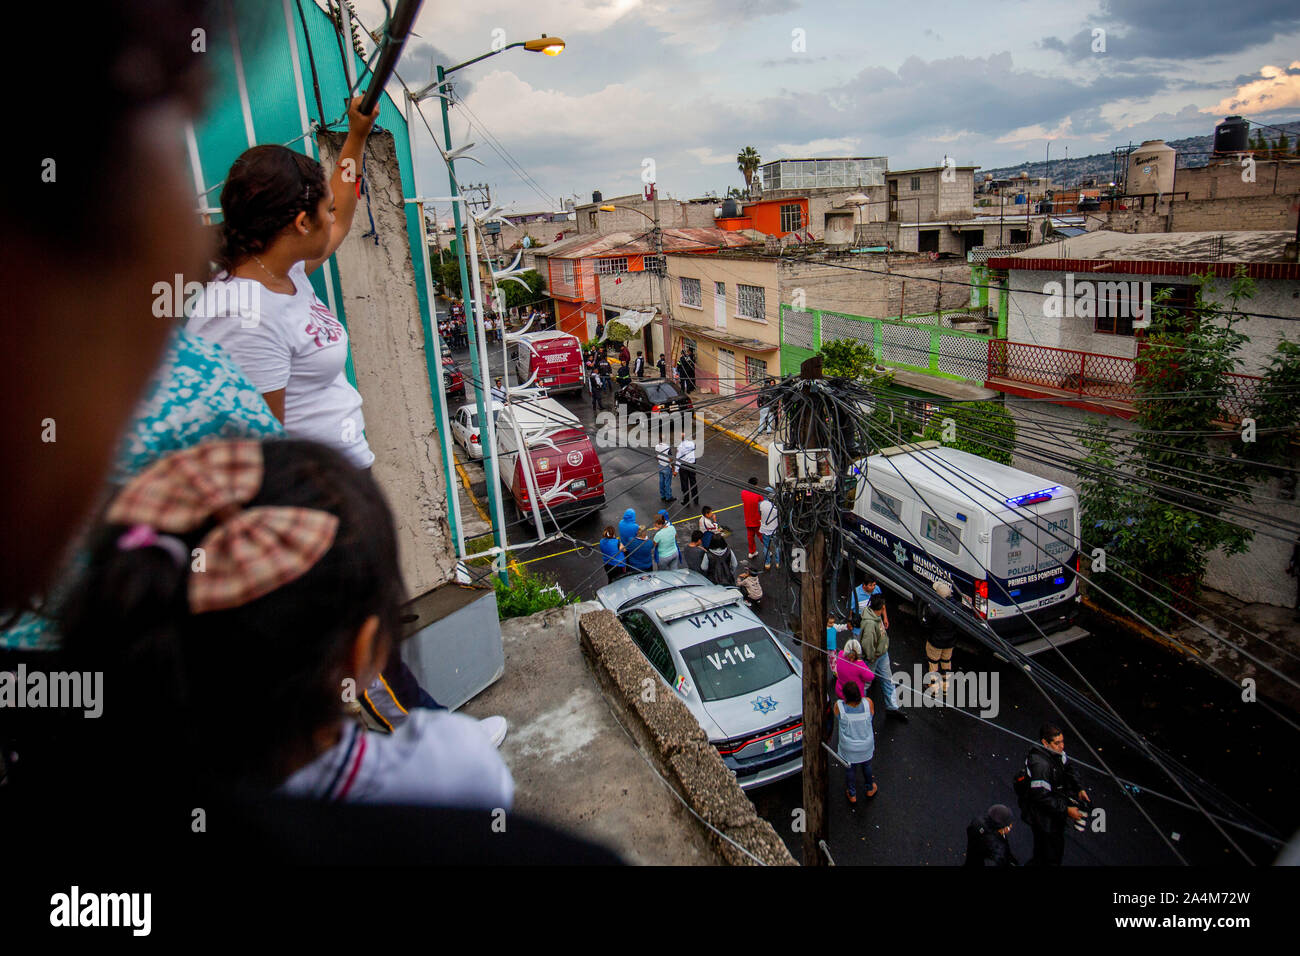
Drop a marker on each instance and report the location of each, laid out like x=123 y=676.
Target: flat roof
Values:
x=924 y=169
x=1262 y=252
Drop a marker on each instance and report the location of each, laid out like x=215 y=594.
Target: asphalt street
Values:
x=946 y=764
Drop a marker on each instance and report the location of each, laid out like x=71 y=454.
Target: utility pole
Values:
x=812 y=632
x=661 y=274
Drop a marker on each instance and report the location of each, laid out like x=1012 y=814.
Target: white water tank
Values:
x=1151 y=168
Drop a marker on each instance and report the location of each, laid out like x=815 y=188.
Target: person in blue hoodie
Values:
x=627 y=529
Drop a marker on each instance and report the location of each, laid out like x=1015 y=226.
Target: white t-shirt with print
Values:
x=290 y=342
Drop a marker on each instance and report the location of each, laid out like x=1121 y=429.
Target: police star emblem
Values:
x=900 y=552
x=764 y=705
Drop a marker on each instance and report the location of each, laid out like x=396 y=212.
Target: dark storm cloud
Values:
x=1181 y=29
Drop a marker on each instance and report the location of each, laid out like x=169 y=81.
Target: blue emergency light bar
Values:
x=1033 y=498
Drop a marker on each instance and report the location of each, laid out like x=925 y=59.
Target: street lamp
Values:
x=551 y=46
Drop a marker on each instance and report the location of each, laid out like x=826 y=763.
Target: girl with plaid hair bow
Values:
x=269 y=566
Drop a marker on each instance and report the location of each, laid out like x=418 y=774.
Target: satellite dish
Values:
x=1045 y=227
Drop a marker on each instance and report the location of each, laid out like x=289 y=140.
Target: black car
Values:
x=654 y=395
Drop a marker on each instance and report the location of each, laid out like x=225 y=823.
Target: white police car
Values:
x=742 y=685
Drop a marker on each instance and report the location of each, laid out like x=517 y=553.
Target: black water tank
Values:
x=729 y=209
x=1232 y=135
x=596 y=196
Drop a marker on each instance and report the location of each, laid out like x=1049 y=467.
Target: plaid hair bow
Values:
x=250 y=552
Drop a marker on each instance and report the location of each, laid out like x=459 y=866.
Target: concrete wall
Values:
x=387 y=338
x=1224 y=180
x=937 y=199
x=1267 y=211
x=673 y=214
x=670 y=736
x=906 y=285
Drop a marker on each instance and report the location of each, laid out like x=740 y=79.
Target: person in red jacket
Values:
x=751 y=499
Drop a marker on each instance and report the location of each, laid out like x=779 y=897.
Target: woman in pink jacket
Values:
x=849 y=666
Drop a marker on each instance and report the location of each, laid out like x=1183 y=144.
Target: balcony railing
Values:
x=1109 y=381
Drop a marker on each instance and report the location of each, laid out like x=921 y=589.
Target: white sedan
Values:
x=465 y=427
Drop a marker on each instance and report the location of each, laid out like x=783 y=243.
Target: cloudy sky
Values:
x=688 y=84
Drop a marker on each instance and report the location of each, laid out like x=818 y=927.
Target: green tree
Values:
x=446 y=271
x=981 y=428
x=1154 y=502
x=519 y=297
x=747 y=161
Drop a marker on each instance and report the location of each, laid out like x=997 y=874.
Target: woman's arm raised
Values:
x=347 y=174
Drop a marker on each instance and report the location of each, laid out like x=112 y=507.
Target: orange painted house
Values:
x=572 y=266
x=772 y=217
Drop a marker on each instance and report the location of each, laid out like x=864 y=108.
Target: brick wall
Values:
x=1209 y=215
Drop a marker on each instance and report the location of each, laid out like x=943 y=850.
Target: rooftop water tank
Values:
x=1232 y=135
x=1151 y=168
x=596 y=196
x=730 y=209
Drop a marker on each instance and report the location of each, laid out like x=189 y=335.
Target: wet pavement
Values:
x=946 y=765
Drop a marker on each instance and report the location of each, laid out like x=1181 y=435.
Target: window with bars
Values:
x=567 y=266
x=755 y=370
x=611 y=265
x=916 y=183
x=750 y=302
x=656 y=264
x=791 y=217
x=691 y=293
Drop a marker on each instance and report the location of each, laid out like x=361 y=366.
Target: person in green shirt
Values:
x=665 y=538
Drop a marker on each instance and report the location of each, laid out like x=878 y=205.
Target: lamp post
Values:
x=551 y=46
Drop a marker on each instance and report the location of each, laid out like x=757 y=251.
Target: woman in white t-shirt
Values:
x=281 y=221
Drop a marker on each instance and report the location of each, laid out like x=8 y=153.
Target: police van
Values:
x=1006 y=540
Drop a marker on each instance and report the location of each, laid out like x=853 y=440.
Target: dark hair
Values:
x=753 y=481
x=877 y=602
x=1049 y=732
x=266 y=188
x=610 y=532
x=697 y=535
x=852 y=693
x=705 y=510
x=173 y=677
x=136 y=56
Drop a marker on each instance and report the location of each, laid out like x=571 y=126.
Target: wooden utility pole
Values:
x=812 y=631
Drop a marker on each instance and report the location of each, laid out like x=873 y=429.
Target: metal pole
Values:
x=498 y=513
x=433 y=348
x=486 y=427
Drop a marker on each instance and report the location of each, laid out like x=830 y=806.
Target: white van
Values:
x=948 y=515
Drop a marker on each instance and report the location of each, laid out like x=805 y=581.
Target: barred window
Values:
x=691 y=293
x=567 y=265
x=755 y=370
x=916 y=183
x=611 y=265
x=656 y=265
x=750 y=302
x=791 y=217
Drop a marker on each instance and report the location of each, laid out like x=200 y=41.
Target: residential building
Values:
x=930 y=193
x=1062 y=367
x=572 y=268
x=840 y=192
x=635 y=213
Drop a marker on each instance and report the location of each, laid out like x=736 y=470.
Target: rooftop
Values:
x=635 y=244
x=925 y=169
x=1249 y=246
